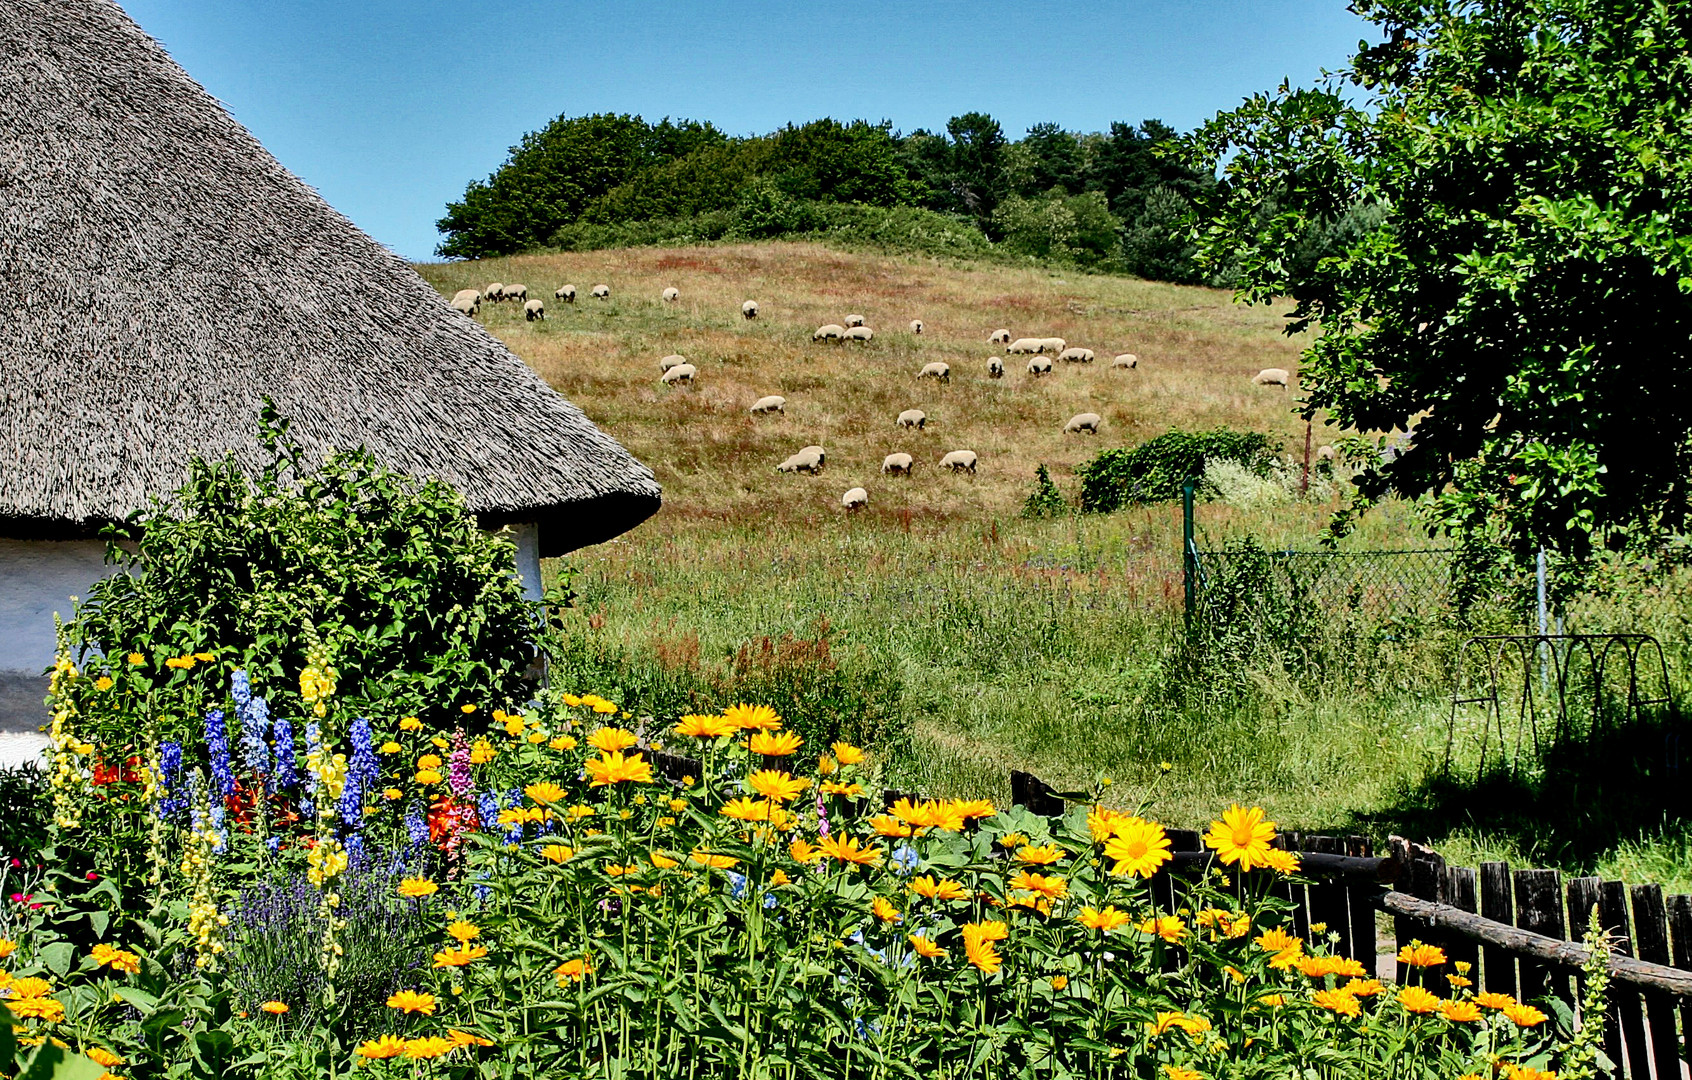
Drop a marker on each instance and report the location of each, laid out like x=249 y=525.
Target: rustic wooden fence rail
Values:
x=1519 y=930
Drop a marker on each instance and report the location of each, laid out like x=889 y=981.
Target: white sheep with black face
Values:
x=995 y=368
x=1272 y=376
x=1023 y=346
x=566 y=293
x=749 y=309
x=494 y=293
x=855 y=500
x=670 y=295
x=897 y=464
x=999 y=337
x=859 y=333
x=1087 y=422
x=534 y=309
x=774 y=403
x=516 y=292
x=939 y=370
x=829 y=332
x=1053 y=345
x=680 y=374
x=853 y=320
x=1076 y=355
x=916 y=326
x=601 y=292
x=1039 y=366
x=960 y=461
x=670 y=361
x=809 y=459
x=468 y=301
x=1125 y=360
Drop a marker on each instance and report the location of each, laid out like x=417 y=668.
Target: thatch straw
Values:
x=160 y=273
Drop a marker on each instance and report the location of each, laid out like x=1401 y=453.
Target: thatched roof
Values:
x=160 y=273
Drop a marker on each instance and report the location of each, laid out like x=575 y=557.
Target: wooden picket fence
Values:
x=1520 y=931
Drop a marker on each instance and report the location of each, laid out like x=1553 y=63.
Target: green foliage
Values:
x=1045 y=500
x=1521 y=290
x=821 y=695
x=1155 y=470
x=25 y=811
x=418 y=608
x=1156 y=244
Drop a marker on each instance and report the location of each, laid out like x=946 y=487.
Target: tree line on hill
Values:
x=1119 y=200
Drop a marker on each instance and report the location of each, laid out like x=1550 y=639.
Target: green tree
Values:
x=1522 y=298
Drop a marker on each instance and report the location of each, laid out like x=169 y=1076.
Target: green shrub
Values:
x=25 y=811
x=1045 y=500
x=1155 y=470
x=416 y=607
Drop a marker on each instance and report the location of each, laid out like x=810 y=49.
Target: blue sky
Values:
x=390 y=108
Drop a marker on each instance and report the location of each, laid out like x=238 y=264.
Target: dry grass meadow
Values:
x=1043 y=644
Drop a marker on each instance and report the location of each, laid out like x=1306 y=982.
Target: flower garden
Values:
x=274 y=853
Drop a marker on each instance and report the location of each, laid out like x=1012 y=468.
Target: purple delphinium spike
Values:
x=254 y=753
x=173 y=796
x=487 y=810
x=350 y=806
x=458 y=768
x=217 y=748
x=363 y=763
x=283 y=735
x=416 y=826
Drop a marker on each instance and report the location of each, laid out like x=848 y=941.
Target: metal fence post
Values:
x=1189 y=571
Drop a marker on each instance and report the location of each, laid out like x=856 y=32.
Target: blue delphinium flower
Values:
x=416 y=826
x=514 y=831
x=283 y=735
x=314 y=747
x=737 y=884
x=363 y=763
x=350 y=806
x=253 y=721
x=355 y=852
x=217 y=748
x=487 y=809
x=173 y=794
x=905 y=859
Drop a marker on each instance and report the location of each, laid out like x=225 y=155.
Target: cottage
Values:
x=161 y=273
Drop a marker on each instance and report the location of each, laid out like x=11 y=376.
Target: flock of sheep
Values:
x=675 y=370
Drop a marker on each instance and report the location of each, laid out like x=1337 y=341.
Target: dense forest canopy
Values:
x=1117 y=200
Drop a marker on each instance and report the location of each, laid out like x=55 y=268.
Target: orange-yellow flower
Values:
x=412 y=1002
x=545 y=792
x=775 y=744
x=615 y=769
x=715 y=862
x=1104 y=921
x=1277 y=940
x=388 y=1046
x=1175 y=1021
x=1168 y=927
x=466 y=1038
x=1042 y=855
x=1052 y=887
x=35 y=1008
x=777 y=785
x=752 y=717
x=979 y=945
x=1523 y=1015
x=413 y=888
x=853 y=790
x=847 y=754
x=558 y=853
x=803 y=851
x=104 y=1058
x=848 y=850
x=1242 y=837
x=1460 y=1012
x=459 y=957
x=1280 y=861
x=924 y=947
x=746 y=809
x=1181 y=1072
x=573 y=970
x=888 y=825
x=1417 y=1000
x=411 y=723
x=662 y=861
x=1317 y=967
x=611 y=739
x=427 y=1047
x=974 y=808
x=1493 y=1000
x=1139 y=847
x=118 y=959
x=7 y=948
x=274 y=1008
x=930 y=889
x=1416 y=954
x=885 y=911
x=1337 y=1000
x=705 y=727
x=1363 y=987
x=461 y=931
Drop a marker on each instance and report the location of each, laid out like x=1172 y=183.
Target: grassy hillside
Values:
x=1047 y=645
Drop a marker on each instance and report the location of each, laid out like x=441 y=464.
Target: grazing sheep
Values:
x=999 y=337
x=1053 y=345
x=749 y=310
x=1076 y=355
x=995 y=368
x=1039 y=366
x=602 y=292
x=1087 y=421
x=670 y=361
x=913 y=418
x=810 y=459
x=939 y=369
x=495 y=292
x=1326 y=454
x=854 y=320
x=959 y=461
x=1125 y=360
x=469 y=301
x=566 y=293
x=681 y=373
x=1272 y=376
x=859 y=333
x=1024 y=345
x=855 y=500
x=916 y=326
x=670 y=295
x=897 y=464
x=534 y=309
x=517 y=292
x=770 y=404
x=829 y=332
